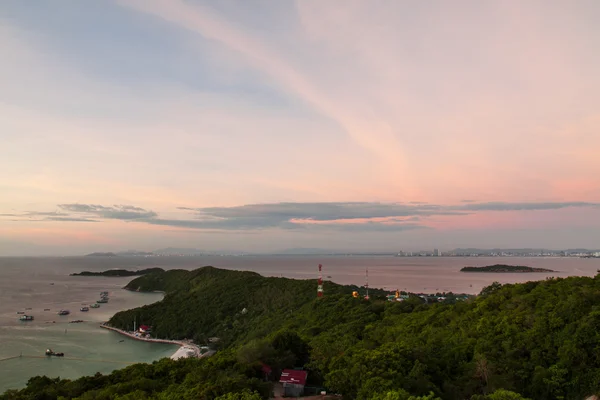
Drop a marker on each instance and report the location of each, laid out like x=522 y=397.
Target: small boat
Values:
x=77 y=321
x=49 y=353
x=102 y=301
x=29 y=308
x=84 y=309
x=64 y=312
x=52 y=283
x=103 y=293
x=20 y=312
x=121 y=341
x=26 y=318
x=95 y=306
x=46 y=309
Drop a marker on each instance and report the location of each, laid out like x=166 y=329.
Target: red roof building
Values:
x=144 y=328
x=293 y=382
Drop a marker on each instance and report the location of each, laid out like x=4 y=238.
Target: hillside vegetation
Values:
x=538 y=340
x=231 y=305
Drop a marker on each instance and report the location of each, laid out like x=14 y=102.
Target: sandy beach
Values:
x=183 y=352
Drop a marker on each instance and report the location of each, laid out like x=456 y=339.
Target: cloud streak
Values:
x=121 y=212
x=366 y=129
x=323 y=211
x=331 y=216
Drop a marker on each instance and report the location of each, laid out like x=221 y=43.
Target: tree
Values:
x=243 y=395
x=486 y=291
x=500 y=394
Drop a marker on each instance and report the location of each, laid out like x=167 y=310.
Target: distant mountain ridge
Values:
x=179 y=251
x=135 y=253
x=305 y=251
x=100 y=254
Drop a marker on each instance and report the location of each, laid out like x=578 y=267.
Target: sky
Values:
x=271 y=124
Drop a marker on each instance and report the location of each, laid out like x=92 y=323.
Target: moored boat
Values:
x=64 y=312
x=49 y=352
x=95 y=306
x=102 y=301
x=26 y=318
x=84 y=309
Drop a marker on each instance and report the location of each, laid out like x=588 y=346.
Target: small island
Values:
x=119 y=272
x=504 y=268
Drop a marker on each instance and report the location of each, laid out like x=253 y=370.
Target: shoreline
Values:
x=186 y=348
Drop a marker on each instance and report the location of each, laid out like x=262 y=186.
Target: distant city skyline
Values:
x=260 y=126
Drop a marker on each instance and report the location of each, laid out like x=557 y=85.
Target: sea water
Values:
x=44 y=283
x=33 y=285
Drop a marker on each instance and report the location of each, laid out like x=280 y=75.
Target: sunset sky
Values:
x=270 y=124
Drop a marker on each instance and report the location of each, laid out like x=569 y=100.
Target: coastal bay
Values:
x=40 y=283
x=37 y=285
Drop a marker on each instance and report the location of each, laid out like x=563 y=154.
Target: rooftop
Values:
x=293 y=376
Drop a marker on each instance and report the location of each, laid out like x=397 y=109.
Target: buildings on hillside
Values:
x=293 y=382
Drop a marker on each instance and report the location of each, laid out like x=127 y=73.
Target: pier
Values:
x=180 y=343
x=9 y=358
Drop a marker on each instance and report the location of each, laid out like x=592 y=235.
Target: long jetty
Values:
x=180 y=343
x=9 y=358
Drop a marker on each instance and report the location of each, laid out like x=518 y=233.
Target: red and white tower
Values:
x=320 y=284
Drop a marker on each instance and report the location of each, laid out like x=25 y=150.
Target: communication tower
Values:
x=320 y=284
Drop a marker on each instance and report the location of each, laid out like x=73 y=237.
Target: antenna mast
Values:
x=320 y=284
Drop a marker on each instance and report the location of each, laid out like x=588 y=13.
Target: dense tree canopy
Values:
x=537 y=340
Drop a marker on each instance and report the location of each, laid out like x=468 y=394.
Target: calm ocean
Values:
x=44 y=283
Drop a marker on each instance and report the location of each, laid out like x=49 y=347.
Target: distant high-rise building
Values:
x=437 y=253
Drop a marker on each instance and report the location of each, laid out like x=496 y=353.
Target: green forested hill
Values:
x=538 y=339
x=215 y=302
